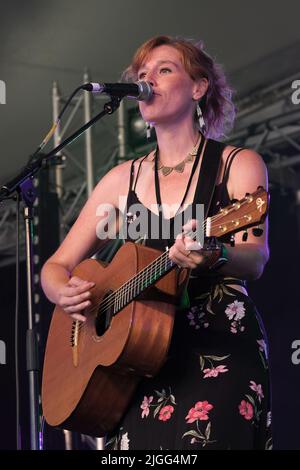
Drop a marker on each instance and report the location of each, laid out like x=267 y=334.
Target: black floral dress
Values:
x=213 y=391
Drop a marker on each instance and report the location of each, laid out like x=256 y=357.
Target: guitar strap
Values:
x=205 y=189
x=208 y=174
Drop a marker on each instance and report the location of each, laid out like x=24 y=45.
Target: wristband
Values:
x=222 y=259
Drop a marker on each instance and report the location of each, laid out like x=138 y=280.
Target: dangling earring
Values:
x=200 y=118
x=148 y=130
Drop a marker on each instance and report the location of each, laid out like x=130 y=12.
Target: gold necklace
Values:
x=166 y=170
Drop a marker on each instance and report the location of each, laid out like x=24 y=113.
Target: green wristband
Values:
x=223 y=259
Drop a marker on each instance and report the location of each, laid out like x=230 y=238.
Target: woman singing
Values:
x=213 y=390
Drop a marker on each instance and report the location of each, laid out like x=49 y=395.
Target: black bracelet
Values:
x=217 y=251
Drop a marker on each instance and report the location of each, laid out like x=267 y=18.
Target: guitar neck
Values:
x=142 y=281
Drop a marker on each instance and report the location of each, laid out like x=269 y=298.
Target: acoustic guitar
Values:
x=91 y=368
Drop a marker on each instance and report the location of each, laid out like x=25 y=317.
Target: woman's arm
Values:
x=246 y=260
x=82 y=241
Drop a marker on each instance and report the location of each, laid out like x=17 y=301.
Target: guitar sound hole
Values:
x=104 y=316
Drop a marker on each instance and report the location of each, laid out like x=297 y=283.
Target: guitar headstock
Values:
x=247 y=212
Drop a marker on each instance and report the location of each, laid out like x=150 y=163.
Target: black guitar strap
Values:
x=208 y=174
x=205 y=189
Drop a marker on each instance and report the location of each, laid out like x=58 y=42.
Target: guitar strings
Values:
x=134 y=281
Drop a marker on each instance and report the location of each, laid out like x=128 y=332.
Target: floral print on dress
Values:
x=263 y=352
x=269 y=419
x=246 y=410
x=145 y=406
x=217 y=293
x=269 y=442
x=250 y=409
x=124 y=444
x=119 y=441
x=196 y=317
x=165 y=413
x=163 y=405
x=257 y=389
x=213 y=370
x=235 y=313
x=199 y=412
x=195 y=424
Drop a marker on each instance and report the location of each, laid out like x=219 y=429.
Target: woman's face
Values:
x=174 y=92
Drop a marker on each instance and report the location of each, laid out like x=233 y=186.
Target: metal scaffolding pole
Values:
x=57 y=138
x=88 y=138
x=99 y=442
x=122 y=132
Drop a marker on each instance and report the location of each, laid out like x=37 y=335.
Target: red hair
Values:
x=217 y=106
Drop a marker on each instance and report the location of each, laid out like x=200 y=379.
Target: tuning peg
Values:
x=245 y=236
x=257 y=231
x=248 y=197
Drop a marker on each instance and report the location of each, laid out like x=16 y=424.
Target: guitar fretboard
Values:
x=139 y=283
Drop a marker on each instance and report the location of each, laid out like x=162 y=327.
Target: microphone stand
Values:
x=24 y=185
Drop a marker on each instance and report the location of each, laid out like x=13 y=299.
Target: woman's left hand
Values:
x=186 y=252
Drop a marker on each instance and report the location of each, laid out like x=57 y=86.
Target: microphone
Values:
x=141 y=91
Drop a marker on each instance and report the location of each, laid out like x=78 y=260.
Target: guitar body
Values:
x=89 y=378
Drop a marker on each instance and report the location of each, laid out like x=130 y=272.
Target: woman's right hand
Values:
x=74 y=297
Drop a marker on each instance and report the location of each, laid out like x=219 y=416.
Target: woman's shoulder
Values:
x=138 y=164
x=117 y=178
x=242 y=156
x=126 y=165
x=113 y=183
x=245 y=172
x=118 y=173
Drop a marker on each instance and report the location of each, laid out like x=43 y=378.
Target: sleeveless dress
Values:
x=213 y=391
